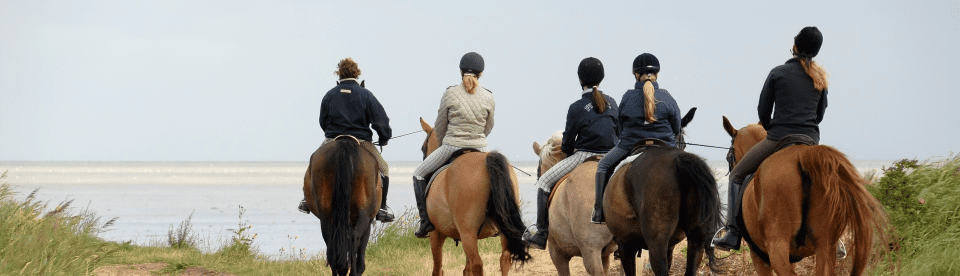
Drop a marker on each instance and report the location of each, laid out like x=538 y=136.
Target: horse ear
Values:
x=687 y=118
x=363 y=83
x=536 y=148
x=426 y=127
x=729 y=127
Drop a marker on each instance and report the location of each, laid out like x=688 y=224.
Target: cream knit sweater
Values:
x=464 y=119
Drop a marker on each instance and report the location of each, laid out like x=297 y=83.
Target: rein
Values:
x=708 y=146
x=395 y=137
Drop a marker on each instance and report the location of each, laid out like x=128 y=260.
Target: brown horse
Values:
x=657 y=200
x=475 y=198
x=799 y=203
x=571 y=232
x=341 y=187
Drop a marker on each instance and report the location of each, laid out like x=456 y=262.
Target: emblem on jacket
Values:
x=345 y=91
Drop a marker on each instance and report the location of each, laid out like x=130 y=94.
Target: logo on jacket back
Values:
x=588 y=107
x=345 y=91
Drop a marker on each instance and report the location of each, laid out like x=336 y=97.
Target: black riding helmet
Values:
x=590 y=71
x=471 y=63
x=808 y=42
x=646 y=63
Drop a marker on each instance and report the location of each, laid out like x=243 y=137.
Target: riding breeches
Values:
x=436 y=159
x=384 y=169
x=610 y=161
x=565 y=166
x=751 y=160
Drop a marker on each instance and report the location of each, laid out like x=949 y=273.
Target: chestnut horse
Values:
x=475 y=198
x=342 y=188
x=657 y=200
x=571 y=232
x=799 y=203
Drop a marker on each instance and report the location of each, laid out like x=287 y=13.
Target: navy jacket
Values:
x=634 y=123
x=353 y=110
x=800 y=106
x=588 y=130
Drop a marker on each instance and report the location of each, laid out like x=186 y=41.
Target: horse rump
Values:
x=502 y=206
x=346 y=153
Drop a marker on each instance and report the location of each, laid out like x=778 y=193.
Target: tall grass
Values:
x=922 y=200
x=38 y=242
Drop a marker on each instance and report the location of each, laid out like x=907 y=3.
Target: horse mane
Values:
x=550 y=151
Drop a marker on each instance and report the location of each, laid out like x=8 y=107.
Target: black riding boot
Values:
x=303 y=206
x=731 y=238
x=426 y=226
x=601 y=185
x=384 y=214
x=539 y=239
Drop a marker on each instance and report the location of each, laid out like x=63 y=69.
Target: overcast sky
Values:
x=242 y=81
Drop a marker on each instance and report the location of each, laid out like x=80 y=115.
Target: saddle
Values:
x=564 y=179
x=446 y=164
x=785 y=142
x=647 y=143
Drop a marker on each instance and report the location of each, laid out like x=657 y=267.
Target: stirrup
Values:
x=841 y=251
x=602 y=217
x=384 y=215
x=534 y=239
x=425 y=228
x=735 y=246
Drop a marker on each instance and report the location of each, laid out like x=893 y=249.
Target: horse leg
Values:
x=826 y=258
x=780 y=257
x=591 y=261
x=660 y=255
x=360 y=264
x=605 y=257
x=762 y=268
x=628 y=259
x=436 y=248
x=505 y=261
x=561 y=260
x=472 y=251
x=694 y=256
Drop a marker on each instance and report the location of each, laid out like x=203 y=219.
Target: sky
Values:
x=243 y=80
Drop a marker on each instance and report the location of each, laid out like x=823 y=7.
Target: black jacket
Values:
x=353 y=110
x=588 y=130
x=634 y=122
x=799 y=106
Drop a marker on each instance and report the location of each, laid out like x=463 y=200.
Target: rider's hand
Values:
x=382 y=143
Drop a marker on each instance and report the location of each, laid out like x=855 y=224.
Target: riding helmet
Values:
x=590 y=71
x=808 y=42
x=646 y=63
x=471 y=63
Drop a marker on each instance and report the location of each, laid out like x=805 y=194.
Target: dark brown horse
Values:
x=656 y=201
x=799 y=203
x=475 y=198
x=342 y=188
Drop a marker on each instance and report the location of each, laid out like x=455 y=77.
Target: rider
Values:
x=645 y=112
x=591 y=130
x=351 y=109
x=798 y=89
x=464 y=120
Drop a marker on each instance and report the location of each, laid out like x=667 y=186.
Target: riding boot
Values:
x=539 y=239
x=303 y=206
x=384 y=214
x=426 y=226
x=731 y=238
x=601 y=186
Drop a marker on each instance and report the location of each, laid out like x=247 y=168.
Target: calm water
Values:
x=150 y=197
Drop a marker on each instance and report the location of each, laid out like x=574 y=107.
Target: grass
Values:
x=35 y=242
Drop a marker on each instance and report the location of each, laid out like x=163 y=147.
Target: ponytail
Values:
x=816 y=72
x=599 y=100
x=470 y=82
x=649 y=102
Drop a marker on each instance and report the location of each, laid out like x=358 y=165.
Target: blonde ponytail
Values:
x=598 y=100
x=470 y=82
x=649 y=101
x=816 y=72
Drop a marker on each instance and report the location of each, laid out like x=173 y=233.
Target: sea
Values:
x=150 y=199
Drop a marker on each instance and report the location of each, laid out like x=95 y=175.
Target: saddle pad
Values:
x=625 y=161
x=426 y=190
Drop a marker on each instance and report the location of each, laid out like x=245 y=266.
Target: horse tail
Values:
x=847 y=198
x=691 y=169
x=502 y=206
x=346 y=154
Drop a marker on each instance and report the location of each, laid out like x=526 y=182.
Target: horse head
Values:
x=742 y=139
x=549 y=153
x=681 y=144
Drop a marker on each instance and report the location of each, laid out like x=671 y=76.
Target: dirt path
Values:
x=149 y=269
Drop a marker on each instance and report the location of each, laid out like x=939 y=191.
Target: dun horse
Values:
x=341 y=188
x=571 y=232
x=799 y=203
x=657 y=200
x=475 y=198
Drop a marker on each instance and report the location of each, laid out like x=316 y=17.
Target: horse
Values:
x=342 y=189
x=571 y=232
x=798 y=204
x=657 y=200
x=475 y=198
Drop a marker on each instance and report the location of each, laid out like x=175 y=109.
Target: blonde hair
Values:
x=816 y=73
x=649 y=102
x=598 y=100
x=470 y=82
x=347 y=68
